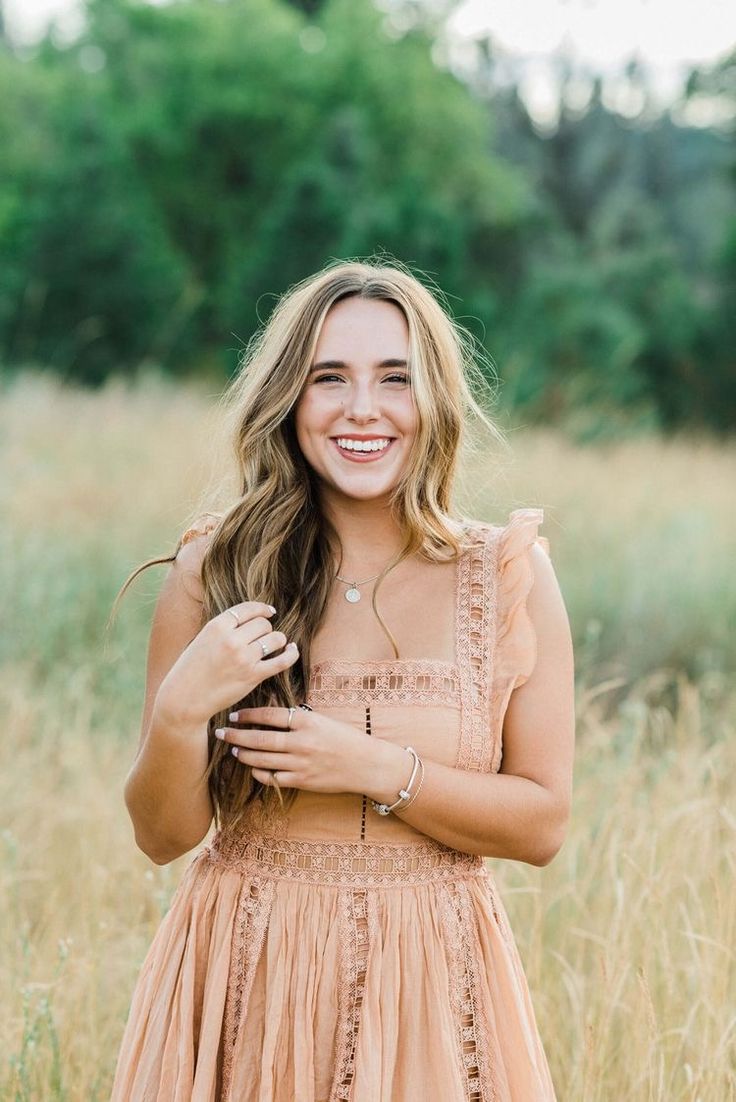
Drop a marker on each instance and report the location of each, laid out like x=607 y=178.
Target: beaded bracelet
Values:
x=405 y=794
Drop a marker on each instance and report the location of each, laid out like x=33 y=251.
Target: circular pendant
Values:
x=352 y=595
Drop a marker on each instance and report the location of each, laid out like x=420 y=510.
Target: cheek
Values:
x=407 y=417
x=310 y=416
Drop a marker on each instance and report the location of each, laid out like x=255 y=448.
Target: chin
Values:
x=367 y=493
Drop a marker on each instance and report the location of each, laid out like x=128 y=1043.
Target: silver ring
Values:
x=264 y=648
x=291 y=716
x=237 y=621
x=305 y=708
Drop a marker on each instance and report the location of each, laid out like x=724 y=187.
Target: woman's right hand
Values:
x=223 y=663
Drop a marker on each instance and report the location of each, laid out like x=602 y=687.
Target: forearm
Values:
x=165 y=793
x=492 y=814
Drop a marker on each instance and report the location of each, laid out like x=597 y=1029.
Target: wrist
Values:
x=390 y=773
x=172 y=718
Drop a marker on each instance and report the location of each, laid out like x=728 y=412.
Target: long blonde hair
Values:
x=273 y=544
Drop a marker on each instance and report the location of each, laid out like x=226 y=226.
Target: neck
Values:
x=369 y=535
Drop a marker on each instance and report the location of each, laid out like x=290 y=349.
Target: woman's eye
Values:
x=395 y=378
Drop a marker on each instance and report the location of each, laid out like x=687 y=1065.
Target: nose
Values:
x=361 y=404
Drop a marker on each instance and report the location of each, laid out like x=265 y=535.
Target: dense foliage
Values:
x=172 y=169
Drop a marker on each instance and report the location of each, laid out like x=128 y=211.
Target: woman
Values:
x=343 y=938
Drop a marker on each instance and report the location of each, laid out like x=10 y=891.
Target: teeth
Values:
x=362 y=445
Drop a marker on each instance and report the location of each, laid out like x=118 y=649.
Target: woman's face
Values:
x=358 y=397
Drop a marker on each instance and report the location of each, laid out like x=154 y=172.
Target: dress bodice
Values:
x=451 y=712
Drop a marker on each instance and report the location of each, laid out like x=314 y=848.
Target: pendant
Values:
x=352 y=594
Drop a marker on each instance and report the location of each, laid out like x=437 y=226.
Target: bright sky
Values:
x=606 y=31
x=667 y=35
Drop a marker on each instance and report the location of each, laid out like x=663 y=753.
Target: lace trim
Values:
x=251 y=923
x=348 y=864
x=476 y=615
x=472 y=1030
x=201 y=527
x=407 y=681
x=359 y=927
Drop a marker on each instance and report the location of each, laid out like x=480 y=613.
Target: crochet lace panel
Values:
x=359 y=927
x=343 y=864
x=251 y=923
x=384 y=681
x=473 y=1037
x=475 y=622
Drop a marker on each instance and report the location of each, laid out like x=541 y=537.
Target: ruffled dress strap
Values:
x=516 y=641
x=201 y=527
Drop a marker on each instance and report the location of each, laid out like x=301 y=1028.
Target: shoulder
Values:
x=194 y=541
x=185 y=578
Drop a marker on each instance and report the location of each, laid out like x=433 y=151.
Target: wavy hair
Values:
x=272 y=543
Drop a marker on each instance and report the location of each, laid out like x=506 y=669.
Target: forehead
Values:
x=363 y=329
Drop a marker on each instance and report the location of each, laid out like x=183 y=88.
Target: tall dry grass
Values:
x=628 y=937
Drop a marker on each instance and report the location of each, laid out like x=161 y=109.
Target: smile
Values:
x=362 y=451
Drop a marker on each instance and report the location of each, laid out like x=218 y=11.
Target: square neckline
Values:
x=434 y=664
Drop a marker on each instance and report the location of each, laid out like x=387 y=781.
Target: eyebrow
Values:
x=342 y=365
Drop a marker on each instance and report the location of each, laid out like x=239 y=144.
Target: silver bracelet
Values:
x=405 y=795
x=421 y=778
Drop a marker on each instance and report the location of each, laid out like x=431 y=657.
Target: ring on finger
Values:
x=291 y=716
x=264 y=649
x=237 y=619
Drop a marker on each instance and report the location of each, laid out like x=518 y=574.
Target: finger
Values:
x=285 y=779
x=276 y=741
x=270 y=643
x=262 y=760
x=255 y=628
x=251 y=715
x=245 y=611
x=270 y=716
x=279 y=662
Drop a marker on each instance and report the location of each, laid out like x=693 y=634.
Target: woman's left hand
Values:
x=319 y=754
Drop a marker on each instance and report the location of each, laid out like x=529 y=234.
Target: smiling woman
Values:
x=345 y=939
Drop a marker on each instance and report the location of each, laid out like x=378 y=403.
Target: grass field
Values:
x=628 y=937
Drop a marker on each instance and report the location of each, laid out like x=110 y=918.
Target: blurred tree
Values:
x=89 y=273
x=167 y=174
x=717 y=344
x=198 y=153
x=614 y=290
x=309 y=7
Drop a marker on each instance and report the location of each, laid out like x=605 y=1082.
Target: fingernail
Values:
x=233 y=717
x=292 y=645
x=220 y=732
x=273 y=610
x=234 y=751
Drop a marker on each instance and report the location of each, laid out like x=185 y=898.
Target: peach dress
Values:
x=337 y=954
